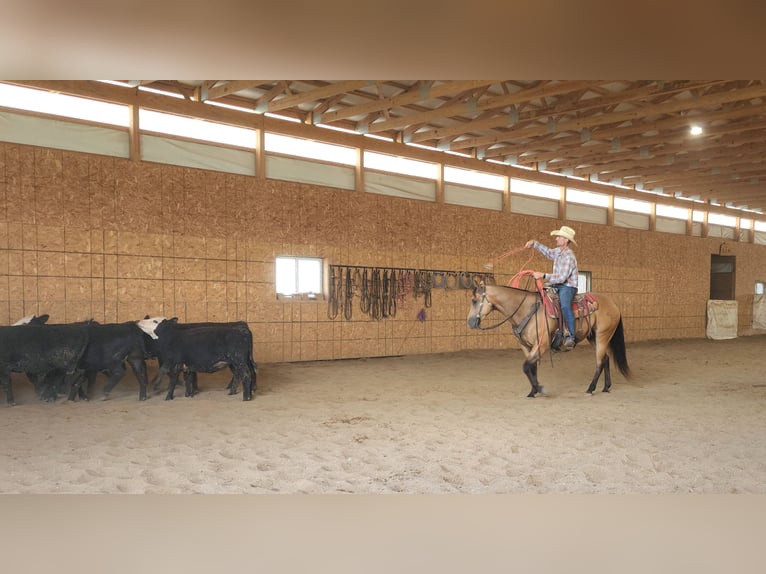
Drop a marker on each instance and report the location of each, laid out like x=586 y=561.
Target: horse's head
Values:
x=480 y=306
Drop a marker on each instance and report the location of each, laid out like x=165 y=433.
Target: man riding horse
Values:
x=564 y=276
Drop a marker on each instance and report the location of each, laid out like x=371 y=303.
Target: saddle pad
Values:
x=583 y=304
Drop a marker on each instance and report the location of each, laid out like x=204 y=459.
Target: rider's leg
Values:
x=566 y=294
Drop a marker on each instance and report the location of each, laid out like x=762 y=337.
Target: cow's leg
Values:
x=115 y=375
x=233 y=384
x=8 y=387
x=190 y=382
x=161 y=372
x=91 y=376
x=138 y=364
x=253 y=376
x=74 y=382
x=39 y=381
x=242 y=373
x=173 y=376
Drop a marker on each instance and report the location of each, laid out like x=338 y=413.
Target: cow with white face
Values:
x=205 y=347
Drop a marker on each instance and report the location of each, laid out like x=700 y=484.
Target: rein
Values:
x=518 y=329
x=508 y=317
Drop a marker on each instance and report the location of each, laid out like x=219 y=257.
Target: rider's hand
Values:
x=529 y=244
x=538 y=274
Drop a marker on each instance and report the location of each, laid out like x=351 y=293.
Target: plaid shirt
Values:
x=564 y=265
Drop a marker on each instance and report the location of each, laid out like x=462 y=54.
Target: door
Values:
x=722 y=276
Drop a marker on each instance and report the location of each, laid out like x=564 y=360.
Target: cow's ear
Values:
x=147 y=317
x=174 y=320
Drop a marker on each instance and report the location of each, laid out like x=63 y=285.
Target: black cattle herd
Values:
x=64 y=359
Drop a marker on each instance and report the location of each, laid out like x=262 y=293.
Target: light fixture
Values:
x=695 y=130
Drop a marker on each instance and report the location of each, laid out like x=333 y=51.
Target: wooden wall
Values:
x=88 y=236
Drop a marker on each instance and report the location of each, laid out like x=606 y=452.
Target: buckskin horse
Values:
x=597 y=319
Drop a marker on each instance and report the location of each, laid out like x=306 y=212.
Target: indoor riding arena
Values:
x=355 y=255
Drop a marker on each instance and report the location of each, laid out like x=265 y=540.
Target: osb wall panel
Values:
x=86 y=236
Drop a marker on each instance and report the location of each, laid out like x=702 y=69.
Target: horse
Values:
x=533 y=326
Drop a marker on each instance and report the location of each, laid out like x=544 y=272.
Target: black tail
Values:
x=617 y=346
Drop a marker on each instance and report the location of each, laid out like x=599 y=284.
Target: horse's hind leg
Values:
x=603 y=366
x=607 y=375
x=530 y=370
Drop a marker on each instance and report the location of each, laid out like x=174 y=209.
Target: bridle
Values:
x=481 y=308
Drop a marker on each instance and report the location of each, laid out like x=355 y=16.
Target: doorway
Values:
x=722 y=276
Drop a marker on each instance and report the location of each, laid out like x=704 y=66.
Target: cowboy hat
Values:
x=566 y=233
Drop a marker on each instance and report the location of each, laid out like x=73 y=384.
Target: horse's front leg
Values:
x=530 y=370
x=603 y=365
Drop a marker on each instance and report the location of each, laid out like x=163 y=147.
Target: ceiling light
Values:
x=695 y=130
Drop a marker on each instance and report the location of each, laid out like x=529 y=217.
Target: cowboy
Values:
x=564 y=276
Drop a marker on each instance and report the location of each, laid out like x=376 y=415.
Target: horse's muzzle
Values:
x=474 y=321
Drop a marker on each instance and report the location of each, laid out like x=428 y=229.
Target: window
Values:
x=309 y=149
x=535 y=189
x=760 y=287
x=196 y=129
x=475 y=178
x=402 y=165
x=62 y=105
x=719 y=219
x=583 y=281
x=587 y=197
x=299 y=276
x=672 y=211
x=632 y=205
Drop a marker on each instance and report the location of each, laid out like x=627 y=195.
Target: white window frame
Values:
x=760 y=287
x=587 y=197
x=584 y=280
x=296 y=290
x=401 y=165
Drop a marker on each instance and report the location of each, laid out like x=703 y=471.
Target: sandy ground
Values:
x=691 y=420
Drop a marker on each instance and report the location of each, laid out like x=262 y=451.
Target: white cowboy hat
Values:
x=565 y=232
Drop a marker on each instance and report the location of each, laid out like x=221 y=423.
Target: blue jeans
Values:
x=566 y=294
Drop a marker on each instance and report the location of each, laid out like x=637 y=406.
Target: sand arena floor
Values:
x=691 y=420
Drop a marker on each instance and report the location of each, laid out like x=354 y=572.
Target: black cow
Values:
x=206 y=348
x=40 y=350
x=190 y=376
x=109 y=347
